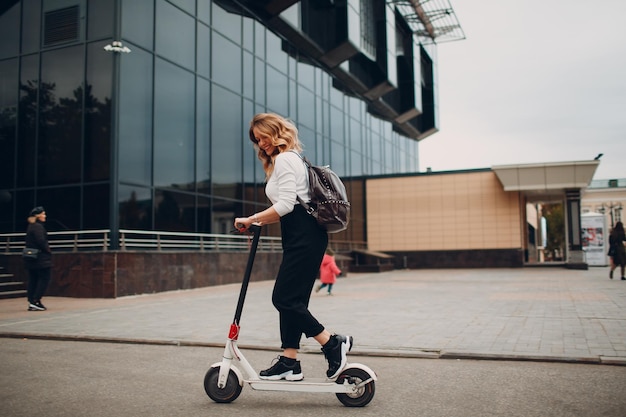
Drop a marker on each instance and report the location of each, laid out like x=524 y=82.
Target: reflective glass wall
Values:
x=175 y=112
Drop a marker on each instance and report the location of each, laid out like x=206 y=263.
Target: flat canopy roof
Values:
x=551 y=178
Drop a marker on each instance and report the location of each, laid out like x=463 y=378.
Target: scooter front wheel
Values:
x=363 y=395
x=229 y=393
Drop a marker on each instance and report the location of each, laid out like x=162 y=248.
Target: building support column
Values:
x=575 y=254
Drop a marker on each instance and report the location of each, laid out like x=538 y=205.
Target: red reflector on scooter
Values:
x=233 y=334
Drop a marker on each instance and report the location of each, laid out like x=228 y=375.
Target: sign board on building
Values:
x=595 y=238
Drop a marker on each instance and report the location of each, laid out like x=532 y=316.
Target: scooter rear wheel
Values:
x=229 y=393
x=362 y=396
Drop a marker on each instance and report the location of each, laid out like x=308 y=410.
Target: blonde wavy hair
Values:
x=283 y=133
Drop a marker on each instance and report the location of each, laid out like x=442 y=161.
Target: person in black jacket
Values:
x=617 y=251
x=39 y=268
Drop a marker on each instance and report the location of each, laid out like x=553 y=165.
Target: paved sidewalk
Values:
x=545 y=314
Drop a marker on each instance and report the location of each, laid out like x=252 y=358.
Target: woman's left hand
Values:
x=243 y=223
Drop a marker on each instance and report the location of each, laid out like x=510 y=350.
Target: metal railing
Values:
x=99 y=240
x=146 y=240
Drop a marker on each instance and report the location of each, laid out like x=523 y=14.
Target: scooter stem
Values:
x=256 y=230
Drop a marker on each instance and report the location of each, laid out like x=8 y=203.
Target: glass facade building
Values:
x=133 y=114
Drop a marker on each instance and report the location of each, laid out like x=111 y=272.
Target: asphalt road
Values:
x=66 y=378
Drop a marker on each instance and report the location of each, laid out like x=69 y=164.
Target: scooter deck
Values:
x=306 y=385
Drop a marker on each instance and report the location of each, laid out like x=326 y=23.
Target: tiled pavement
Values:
x=551 y=314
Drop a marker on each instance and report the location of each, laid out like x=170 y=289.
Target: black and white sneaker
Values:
x=336 y=353
x=35 y=307
x=40 y=306
x=284 y=368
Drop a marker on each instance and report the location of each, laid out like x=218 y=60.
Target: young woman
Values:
x=303 y=241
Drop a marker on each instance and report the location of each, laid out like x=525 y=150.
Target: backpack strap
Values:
x=307 y=165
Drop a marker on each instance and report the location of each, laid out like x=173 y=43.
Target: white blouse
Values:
x=288 y=180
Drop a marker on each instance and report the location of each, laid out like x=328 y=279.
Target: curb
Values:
x=371 y=352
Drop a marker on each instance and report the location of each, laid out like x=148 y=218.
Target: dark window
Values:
x=226 y=146
x=8 y=120
x=61 y=26
x=31 y=25
x=24 y=202
x=204 y=215
x=135 y=205
x=98 y=113
x=62 y=207
x=174 y=212
x=177 y=35
x=100 y=24
x=27 y=123
x=174 y=125
x=10 y=32
x=203 y=134
x=135 y=118
x=60 y=116
x=96 y=206
x=6 y=211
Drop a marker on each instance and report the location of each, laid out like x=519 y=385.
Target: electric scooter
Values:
x=223 y=382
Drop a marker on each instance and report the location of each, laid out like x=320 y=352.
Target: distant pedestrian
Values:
x=617 y=251
x=39 y=268
x=328 y=271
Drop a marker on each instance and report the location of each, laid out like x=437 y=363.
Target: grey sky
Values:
x=534 y=81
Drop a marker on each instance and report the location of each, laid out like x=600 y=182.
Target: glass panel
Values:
x=31 y=25
x=100 y=19
x=226 y=138
x=7 y=221
x=248 y=75
x=96 y=207
x=259 y=40
x=222 y=215
x=10 y=31
x=204 y=215
x=204 y=11
x=187 y=5
x=306 y=107
x=226 y=63
x=98 y=113
x=203 y=136
x=249 y=154
x=135 y=205
x=138 y=22
x=174 y=212
x=62 y=207
x=259 y=81
x=277 y=98
x=8 y=121
x=135 y=117
x=176 y=36
x=24 y=202
x=174 y=125
x=60 y=117
x=228 y=24
x=336 y=124
x=248 y=34
x=203 y=61
x=275 y=55
x=29 y=86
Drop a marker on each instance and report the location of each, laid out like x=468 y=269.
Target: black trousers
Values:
x=304 y=243
x=38 y=280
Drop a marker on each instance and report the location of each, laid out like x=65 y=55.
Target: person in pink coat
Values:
x=328 y=271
